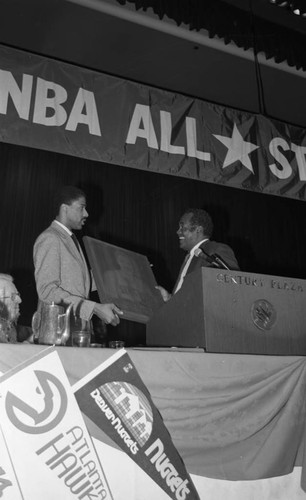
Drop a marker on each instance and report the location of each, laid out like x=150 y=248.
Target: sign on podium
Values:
x=234 y=312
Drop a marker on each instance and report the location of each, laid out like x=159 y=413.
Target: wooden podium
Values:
x=233 y=312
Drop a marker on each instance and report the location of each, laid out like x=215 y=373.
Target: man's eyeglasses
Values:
x=13 y=296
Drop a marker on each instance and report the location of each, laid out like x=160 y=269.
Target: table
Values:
x=235 y=418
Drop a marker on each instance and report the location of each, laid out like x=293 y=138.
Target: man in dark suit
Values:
x=194 y=232
x=61 y=272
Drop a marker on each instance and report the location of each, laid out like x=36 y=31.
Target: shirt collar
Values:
x=64 y=227
x=197 y=246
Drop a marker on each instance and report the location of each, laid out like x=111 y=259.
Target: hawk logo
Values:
x=51 y=406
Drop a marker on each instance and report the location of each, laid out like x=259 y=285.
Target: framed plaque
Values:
x=124 y=278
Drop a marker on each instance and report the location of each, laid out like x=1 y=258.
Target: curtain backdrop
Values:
x=244 y=26
x=140 y=210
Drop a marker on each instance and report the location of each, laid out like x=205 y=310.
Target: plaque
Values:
x=124 y=278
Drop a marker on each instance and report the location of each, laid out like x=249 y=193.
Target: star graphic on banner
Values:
x=238 y=149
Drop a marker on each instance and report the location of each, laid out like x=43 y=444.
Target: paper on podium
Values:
x=125 y=278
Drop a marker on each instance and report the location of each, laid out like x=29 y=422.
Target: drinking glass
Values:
x=81 y=338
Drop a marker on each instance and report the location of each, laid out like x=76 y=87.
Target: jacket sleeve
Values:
x=47 y=255
x=224 y=251
x=228 y=256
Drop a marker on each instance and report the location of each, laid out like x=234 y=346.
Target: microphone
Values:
x=220 y=261
x=213 y=259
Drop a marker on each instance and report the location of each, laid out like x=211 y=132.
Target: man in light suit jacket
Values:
x=61 y=272
x=194 y=232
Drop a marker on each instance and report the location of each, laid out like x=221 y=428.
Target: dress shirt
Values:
x=73 y=236
x=63 y=227
x=186 y=264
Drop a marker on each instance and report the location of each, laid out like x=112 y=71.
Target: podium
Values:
x=233 y=312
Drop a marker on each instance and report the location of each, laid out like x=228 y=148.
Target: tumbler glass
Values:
x=81 y=338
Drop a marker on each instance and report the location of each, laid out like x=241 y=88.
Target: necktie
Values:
x=77 y=244
x=75 y=241
x=183 y=271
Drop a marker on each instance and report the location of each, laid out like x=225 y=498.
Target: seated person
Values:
x=9 y=309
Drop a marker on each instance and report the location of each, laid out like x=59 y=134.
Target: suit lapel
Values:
x=197 y=262
x=179 y=274
x=72 y=248
x=193 y=264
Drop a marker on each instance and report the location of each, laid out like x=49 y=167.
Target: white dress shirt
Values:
x=188 y=259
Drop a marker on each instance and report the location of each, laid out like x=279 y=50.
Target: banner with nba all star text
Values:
x=56 y=106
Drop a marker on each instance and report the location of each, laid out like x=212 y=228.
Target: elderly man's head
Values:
x=195 y=225
x=9 y=299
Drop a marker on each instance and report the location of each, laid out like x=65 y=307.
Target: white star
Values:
x=238 y=149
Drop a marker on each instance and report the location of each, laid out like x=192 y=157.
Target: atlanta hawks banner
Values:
x=44 y=433
x=116 y=400
x=9 y=487
x=55 y=106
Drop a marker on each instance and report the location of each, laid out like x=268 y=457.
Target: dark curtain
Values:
x=281 y=37
x=140 y=211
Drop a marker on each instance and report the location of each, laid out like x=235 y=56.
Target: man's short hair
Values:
x=201 y=218
x=67 y=195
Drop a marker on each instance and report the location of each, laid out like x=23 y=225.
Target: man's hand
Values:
x=108 y=312
x=165 y=295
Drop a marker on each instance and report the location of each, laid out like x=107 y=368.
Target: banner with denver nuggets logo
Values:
x=114 y=397
x=46 y=437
